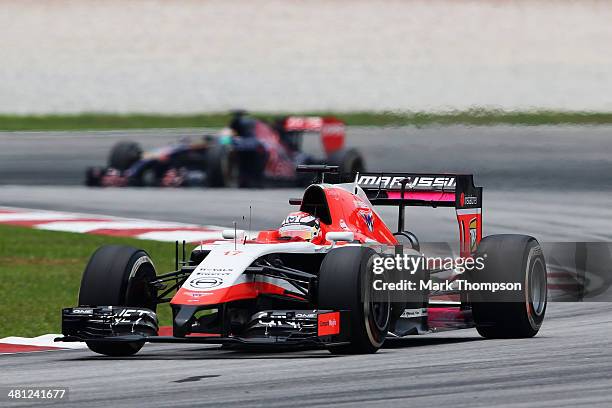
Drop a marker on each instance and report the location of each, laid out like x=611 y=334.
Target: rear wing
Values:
x=434 y=190
x=421 y=189
x=332 y=130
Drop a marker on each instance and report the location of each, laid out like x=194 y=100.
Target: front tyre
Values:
x=516 y=259
x=345 y=283
x=93 y=176
x=114 y=349
x=118 y=275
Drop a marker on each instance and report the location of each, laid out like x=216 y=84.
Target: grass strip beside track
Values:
x=474 y=117
x=41 y=272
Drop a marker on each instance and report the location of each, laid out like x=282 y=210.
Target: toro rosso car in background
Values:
x=248 y=153
x=310 y=282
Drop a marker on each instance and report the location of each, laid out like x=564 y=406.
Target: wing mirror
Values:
x=336 y=236
x=232 y=234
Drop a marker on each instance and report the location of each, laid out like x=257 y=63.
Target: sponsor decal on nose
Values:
x=206 y=282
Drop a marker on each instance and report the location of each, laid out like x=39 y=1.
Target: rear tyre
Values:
x=221 y=169
x=118 y=275
x=517 y=313
x=345 y=283
x=349 y=161
x=124 y=154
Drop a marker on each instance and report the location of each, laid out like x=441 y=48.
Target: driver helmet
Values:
x=242 y=125
x=300 y=225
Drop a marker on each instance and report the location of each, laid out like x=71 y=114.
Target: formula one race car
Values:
x=248 y=153
x=314 y=282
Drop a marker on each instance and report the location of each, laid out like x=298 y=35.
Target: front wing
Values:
x=267 y=328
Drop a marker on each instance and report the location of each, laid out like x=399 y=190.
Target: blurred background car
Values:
x=248 y=153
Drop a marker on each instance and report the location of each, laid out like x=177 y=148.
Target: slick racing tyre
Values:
x=149 y=177
x=345 y=283
x=123 y=155
x=349 y=161
x=221 y=168
x=118 y=275
x=515 y=313
x=93 y=176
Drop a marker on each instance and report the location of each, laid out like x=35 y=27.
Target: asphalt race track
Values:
x=552 y=183
x=549 y=215
x=502 y=157
x=567 y=364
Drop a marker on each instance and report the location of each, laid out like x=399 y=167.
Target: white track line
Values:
x=86 y=223
x=87 y=226
x=46 y=340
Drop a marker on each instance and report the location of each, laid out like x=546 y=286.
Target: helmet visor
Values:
x=297 y=231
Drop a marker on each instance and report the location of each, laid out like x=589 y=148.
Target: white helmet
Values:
x=300 y=225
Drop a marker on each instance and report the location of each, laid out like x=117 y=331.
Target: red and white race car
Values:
x=327 y=277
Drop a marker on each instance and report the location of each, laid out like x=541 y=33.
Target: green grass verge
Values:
x=474 y=117
x=41 y=272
